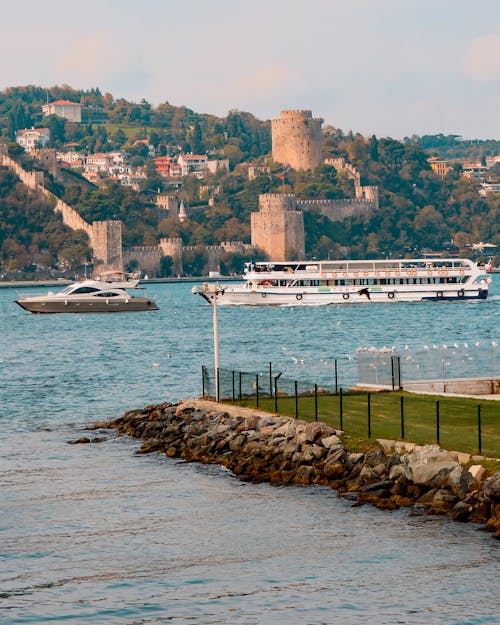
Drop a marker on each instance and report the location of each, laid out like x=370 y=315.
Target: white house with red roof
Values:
x=64 y=108
x=31 y=138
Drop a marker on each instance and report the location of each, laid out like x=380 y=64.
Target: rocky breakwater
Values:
x=261 y=448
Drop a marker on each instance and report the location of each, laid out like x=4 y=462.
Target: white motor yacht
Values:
x=89 y=296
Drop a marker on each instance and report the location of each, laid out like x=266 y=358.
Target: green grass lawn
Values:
x=458 y=418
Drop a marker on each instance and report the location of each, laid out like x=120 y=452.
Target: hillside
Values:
x=32 y=236
x=418 y=209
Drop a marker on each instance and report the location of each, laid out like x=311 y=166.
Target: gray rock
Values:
x=460 y=481
x=384 y=485
x=315 y=431
x=354 y=458
x=396 y=472
x=461 y=511
x=375 y=457
x=443 y=501
x=331 y=441
x=491 y=487
x=337 y=455
x=424 y=464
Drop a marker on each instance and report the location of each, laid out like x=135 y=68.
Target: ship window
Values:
x=106 y=294
x=85 y=289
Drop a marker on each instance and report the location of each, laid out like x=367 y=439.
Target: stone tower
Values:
x=278 y=227
x=106 y=241
x=296 y=138
x=173 y=247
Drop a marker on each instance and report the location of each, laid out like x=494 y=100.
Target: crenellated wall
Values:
x=337 y=210
x=105 y=237
x=278 y=227
x=297 y=140
x=173 y=247
x=107 y=245
x=148 y=258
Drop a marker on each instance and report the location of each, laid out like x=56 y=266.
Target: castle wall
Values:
x=48 y=160
x=297 y=140
x=337 y=210
x=148 y=257
x=107 y=245
x=173 y=247
x=278 y=228
x=105 y=237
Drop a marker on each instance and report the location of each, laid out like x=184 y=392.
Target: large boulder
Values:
x=427 y=464
x=491 y=487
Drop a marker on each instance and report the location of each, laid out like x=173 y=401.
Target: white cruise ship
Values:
x=353 y=282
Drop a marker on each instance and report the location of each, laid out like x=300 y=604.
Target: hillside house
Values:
x=64 y=108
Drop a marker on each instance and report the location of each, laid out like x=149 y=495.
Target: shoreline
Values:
x=258 y=447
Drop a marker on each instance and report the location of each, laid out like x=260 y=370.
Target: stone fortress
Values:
x=296 y=139
x=278 y=227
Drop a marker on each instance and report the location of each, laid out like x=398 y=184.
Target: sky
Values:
x=385 y=67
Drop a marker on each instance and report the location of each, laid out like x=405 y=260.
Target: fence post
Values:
x=276 y=395
x=233 y=385
x=399 y=371
x=296 y=400
x=336 y=378
x=392 y=371
x=402 y=410
x=315 y=402
x=203 y=380
x=341 y=409
x=239 y=372
x=217 y=385
x=437 y=421
x=257 y=390
x=271 y=379
x=369 y=408
x=479 y=442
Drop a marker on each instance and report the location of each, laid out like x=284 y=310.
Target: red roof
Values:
x=65 y=103
x=39 y=131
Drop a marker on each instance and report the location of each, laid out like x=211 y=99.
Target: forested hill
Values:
x=109 y=123
x=31 y=235
x=418 y=210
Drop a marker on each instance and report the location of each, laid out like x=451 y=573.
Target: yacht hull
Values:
x=101 y=305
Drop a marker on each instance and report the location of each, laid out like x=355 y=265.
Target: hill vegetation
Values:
x=418 y=209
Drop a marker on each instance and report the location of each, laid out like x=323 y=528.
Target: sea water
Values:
x=96 y=534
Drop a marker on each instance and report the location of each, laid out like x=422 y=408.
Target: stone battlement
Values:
x=296 y=139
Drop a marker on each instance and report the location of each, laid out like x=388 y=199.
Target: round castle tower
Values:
x=296 y=139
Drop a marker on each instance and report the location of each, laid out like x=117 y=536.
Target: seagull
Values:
x=295 y=360
x=156 y=364
x=426 y=347
x=434 y=346
x=406 y=347
x=477 y=344
x=466 y=345
x=456 y=345
x=494 y=344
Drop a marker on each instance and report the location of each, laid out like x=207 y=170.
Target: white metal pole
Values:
x=216 y=344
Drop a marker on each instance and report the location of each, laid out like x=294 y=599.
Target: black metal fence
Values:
x=455 y=423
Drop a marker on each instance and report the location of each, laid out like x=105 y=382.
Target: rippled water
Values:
x=95 y=534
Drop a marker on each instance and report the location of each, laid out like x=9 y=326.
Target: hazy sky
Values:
x=389 y=67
